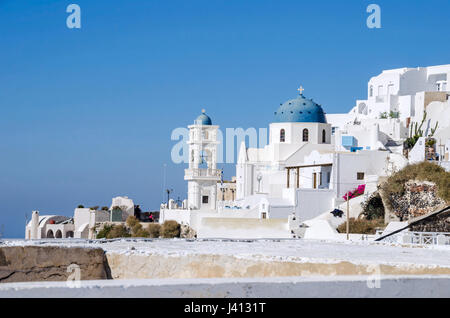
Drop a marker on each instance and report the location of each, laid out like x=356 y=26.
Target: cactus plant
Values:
x=433 y=130
x=410 y=142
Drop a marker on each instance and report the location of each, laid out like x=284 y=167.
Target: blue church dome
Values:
x=203 y=119
x=300 y=110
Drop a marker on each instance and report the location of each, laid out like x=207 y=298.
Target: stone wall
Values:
x=50 y=263
x=437 y=223
x=186 y=259
x=420 y=198
x=435 y=97
x=187 y=232
x=138 y=266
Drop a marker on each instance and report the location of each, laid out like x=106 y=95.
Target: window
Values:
x=324 y=136
x=328 y=177
x=205 y=199
x=371 y=91
x=264 y=215
x=390 y=89
x=305 y=135
x=360 y=176
x=282 y=135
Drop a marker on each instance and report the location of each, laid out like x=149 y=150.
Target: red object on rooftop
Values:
x=52 y=222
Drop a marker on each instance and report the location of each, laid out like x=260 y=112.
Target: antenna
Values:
x=169 y=191
x=164 y=179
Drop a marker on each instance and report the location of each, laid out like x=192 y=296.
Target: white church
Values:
x=288 y=188
x=313 y=159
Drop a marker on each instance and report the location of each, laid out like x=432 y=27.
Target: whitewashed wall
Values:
x=417 y=154
x=239 y=228
x=312 y=203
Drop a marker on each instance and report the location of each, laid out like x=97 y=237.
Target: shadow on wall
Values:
x=49 y=263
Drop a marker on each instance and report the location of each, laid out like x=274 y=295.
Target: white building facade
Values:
x=312 y=159
x=396 y=101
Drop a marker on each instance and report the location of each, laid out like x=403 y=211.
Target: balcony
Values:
x=205 y=174
x=210 y=140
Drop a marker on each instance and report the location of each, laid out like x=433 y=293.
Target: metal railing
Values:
x=428 y=238
x=213 y=173
x=421 y=238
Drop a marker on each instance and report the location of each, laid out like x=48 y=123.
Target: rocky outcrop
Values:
x=187 y=232
x=435 y=223
x=420 y=198
x=50 y=263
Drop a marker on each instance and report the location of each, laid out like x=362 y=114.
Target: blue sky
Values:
x=87 y=114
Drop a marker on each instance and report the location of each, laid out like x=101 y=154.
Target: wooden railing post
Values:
x=288 y=176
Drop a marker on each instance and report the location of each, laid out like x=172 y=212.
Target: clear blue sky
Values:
x=87 y=114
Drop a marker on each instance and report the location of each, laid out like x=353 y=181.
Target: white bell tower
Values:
x=202 y=175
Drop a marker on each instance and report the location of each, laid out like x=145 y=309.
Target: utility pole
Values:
x=348 y=218
x=164 y=178
x=2 y=230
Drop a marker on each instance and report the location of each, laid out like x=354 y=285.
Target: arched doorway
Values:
x=362 y=108
x=50 y=234
x=58 y=234
x=69 y=234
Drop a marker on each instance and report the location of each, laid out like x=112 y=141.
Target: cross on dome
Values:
x=301 y=89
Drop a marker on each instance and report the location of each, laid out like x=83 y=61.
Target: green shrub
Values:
x=361 y=226
x=105 y=208
x=393 y=114
x=141 y=233
x=154 y=230
x=424 y=171
x=103 y=233
x=80 y=206
x=136 y=227
x=373 y=208
x=170 y=229
x=118 y=231
x=132 y=221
